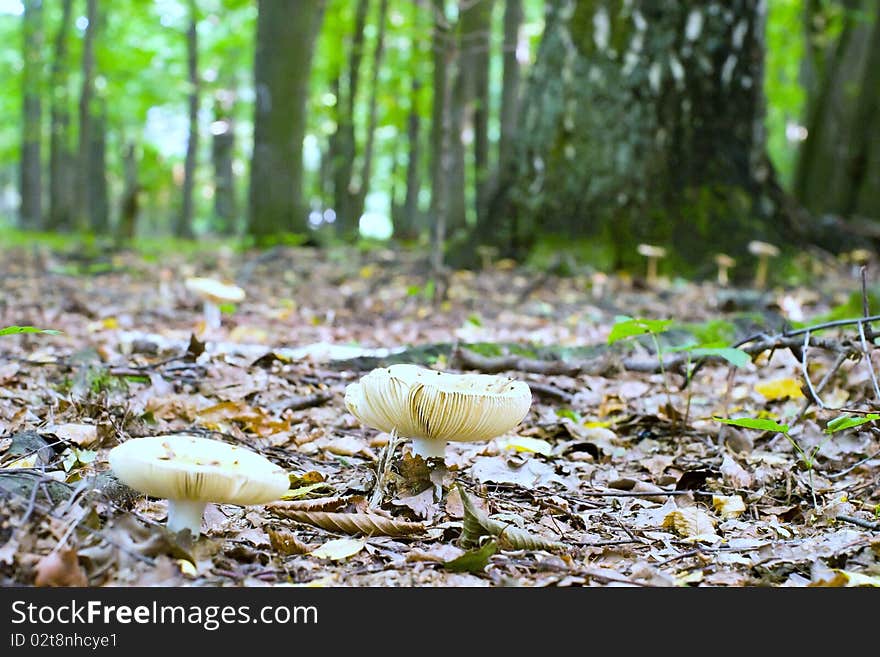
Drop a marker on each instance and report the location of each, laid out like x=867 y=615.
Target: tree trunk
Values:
x=98 y=201
x=644 y=122
x=286 y=33
x=367 y=171
x=509 y=112
x=222 y=153
x=84 y=168
x=61 y=156
x=864 y=133
x=130 y=204
x=344 y=140
x=513 y=17
x=837 y=169
x=31 y=210
x=410 y=227
x=184 y=228
x=476 y=30
x=441 y=44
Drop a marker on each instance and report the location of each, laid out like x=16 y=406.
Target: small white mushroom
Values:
x=724 y=262
x=653 y=254
x=432 y=408
x=190 y=471
x=212 y=293
x=764 y=252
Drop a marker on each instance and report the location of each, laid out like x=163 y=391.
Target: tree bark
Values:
x=222 y=152
x=98 y=196
x=130 y=204
x=183 y=227
x=837 y=168
x=411 y=224
x=513 y=17
x=31 y=209
x=61 y=156
x=345 y=142
x=286 y=33
x=84 y=166
x=367 y=170
x=441 y=44
x=643 y=121
x=476 y=30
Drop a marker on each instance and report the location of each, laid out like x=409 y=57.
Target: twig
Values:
x=858 y=521
x=867 y=356
x=853 y=466
x=383 y=467
x=550 y=392
x=834 y=324
x=632 y=493
x=814 y=394
x=467 y=360
x=841 y=357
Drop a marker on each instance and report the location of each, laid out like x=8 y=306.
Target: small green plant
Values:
x=807 y=457
x=17 y=330
x=626 y=328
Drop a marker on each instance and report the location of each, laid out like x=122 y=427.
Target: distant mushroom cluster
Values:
x=763 y=251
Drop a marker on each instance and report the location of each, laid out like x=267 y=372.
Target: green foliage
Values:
x=628 y=327
x=16 y=330
x=760 y=424
x=848 y=422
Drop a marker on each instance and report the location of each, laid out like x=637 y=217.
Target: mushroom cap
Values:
x=763 y=249
x=651 y=251
x=186 y=467
x=860 y=256
x=724 y=260
x=210 y=288
x=431 y=405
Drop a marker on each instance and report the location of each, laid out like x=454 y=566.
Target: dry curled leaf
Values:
x=285 y=542
x=60 y=568
x=477 y=523
x=352 y=523
x=316 y=504
x=729 y=506
x=693 y=524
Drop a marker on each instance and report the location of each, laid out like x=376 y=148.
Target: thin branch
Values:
x=858 y=521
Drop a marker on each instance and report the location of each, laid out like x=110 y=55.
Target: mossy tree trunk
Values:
x=643 y=121
x=32 y=111
x=286 y=33
x=838 y=167
x=61 y=157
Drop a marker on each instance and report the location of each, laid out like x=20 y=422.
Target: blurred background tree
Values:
x=526 y=125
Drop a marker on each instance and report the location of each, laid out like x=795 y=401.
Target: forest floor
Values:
x=619 y=474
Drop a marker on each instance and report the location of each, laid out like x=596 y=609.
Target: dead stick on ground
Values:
x=858 y=521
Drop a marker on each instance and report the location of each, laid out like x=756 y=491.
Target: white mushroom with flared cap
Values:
x=190 y=472
x=724 y=262
x=432 y=408
x=764 y=252
x=653 y=254
x=212 y=293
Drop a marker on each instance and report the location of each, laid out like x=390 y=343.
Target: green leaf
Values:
x=627 y=327
x=848 y=422
x=473 y=561
x=13 y=330
x=754 y=423
x=570 y=414
x=736 y=357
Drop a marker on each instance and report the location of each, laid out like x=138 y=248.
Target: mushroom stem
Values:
x=212 y=314
x=761 y=272
x=186 y=514
x=429 y=448
x=652 y=270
